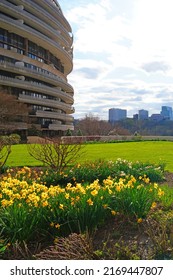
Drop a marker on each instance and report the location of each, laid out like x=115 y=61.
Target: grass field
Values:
x=145 y=151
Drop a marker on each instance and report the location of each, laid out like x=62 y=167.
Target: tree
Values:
x=118 y=130
x=91 y=125
x=68 y=133
x=5 y=150
x=11 y=110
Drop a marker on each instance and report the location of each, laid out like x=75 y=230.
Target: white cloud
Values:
x=122 y=54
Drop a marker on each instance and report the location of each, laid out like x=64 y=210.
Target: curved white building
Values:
x=36 y=55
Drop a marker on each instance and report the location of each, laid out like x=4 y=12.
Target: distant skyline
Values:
x=123 y=55
x=142 y=111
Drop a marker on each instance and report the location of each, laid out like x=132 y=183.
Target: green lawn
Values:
x=147 y=151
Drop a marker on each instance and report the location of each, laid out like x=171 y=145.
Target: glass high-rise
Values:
x=116 y=114
x=167 y=113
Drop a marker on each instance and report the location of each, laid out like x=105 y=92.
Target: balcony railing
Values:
x=29 y=18
x=36 y=87
x=46 y=102
x=66 y=56
x=54 y=115
x=55 y=80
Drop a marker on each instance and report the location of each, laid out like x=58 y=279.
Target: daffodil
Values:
x=57 y=226
x=154 y=204
x=61 y=206
x=113 y=212
x=139 y=220
x=90 y=202
x=94 y=192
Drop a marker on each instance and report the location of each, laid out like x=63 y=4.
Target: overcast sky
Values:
x=123 y=55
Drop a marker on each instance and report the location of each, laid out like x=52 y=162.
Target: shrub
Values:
x=101 y=170
x=14 y=139
x=55 y=154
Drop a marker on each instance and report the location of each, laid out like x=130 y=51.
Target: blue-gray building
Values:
x=167 y=112
x=116 y=114
x=143 y=114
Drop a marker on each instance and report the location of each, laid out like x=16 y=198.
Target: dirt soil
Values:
x=168 y=179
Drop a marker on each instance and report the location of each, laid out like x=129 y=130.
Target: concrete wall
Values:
x=99 y=138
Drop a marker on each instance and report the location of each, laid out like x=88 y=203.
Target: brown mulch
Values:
x=168 y=179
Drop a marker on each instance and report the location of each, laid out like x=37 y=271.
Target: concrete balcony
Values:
x=46 y=103
x=55 y=48
x=35 y=22
x=14 y=126
x=62 y=127
x=49 y=78
x=31 y=86
x=54 y=115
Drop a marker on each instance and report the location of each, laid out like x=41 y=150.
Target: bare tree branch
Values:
x=5 y=150
x=55 y=153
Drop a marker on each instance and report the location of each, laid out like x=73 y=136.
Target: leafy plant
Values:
x=3 y=244
x=118 y=251
x=167 y=199
x=102 y=169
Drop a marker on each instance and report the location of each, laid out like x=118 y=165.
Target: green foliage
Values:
x=79 y=132
x=68 y=133
x=134 y=201
x=102 y=169
x=11 y=139
x=118 y=251
x=3 y=245
x=167 y=198
x=20 y=222
x=14 y=139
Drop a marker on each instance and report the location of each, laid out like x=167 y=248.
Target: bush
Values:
x=101 y=170
x=55 y=154
x=14 y=139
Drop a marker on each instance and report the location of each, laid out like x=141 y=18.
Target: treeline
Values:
x=91 y=125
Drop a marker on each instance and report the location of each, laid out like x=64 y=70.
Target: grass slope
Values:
x=147 y=151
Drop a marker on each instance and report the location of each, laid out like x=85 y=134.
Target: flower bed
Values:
x=32 y=210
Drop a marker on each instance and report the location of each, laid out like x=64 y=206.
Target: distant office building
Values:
x=143 y=114
x=156 y=117
x=135 y=116
x=167 y=112
x=116 y=114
